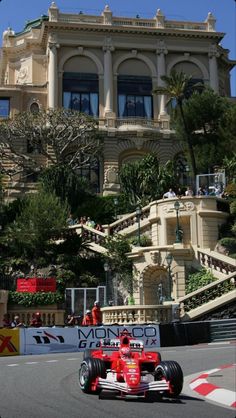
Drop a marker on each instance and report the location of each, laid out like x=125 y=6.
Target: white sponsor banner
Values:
x=89 y=337
x=73 y=339
x=50 y=340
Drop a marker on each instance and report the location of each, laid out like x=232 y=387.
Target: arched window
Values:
x=135 y=96
x=80 y=92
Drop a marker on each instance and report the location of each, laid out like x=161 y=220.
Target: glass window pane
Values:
x=75 y=101
x=66 y=99
x=4 y=108
x=85 y=103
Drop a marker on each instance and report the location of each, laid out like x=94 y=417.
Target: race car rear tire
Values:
x=173 y=373
x=90 y=369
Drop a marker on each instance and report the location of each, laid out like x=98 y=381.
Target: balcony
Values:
x=134 y=123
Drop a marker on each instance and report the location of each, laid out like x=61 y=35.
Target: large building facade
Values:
x=108 y=67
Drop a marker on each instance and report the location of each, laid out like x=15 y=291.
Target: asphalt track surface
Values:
x=47 y=386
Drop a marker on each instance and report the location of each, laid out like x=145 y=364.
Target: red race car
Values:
x=121 y=368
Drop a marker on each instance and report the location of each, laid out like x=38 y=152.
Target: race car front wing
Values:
x=160 y=386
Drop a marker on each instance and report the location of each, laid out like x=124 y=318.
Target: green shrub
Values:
x=231 y=190
x=229 y=243
x=28 y=299
x=199 y=279
x=145 y=241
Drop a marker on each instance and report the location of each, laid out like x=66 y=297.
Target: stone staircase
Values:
x=196 y=304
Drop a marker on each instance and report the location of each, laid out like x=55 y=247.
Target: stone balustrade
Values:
x=50 y=314
x=137 y=314
x=208 y=293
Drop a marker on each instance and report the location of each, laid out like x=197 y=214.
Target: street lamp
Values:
x=106 y=269
x=115 y=204
x=178 y=232
x=138 y=216
x=169 y=259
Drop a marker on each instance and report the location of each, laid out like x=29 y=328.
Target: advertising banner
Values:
x=73 y=339
x=49 y=340
x=9 y=342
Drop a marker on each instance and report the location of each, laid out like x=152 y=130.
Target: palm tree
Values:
x=177 y=87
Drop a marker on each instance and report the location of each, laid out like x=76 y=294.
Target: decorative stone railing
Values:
x=155 y=23
x=137 y=314
x=217 y=262
x=128 y=220
x=134 y=122
x=207 y=293
x=50 y=314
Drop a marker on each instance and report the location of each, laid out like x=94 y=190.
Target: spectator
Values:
x=189 y=192
x=179 y=192
x=87 y=320
x=6 y=323
x=97 y=314
x=90 y=223
x=70 y=220
x=36 y=320
x=16 y=323
x=200 y=192
x=70 y=320
x=169 y=194
x=99 y=227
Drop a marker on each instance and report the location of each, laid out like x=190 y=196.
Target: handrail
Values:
x=218 y=262
x=207 y=293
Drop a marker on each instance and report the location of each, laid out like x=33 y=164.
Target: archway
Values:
x=154 y=279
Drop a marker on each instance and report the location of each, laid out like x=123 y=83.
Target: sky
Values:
x=15 y=13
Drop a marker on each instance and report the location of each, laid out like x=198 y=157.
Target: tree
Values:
x=178 y=87
x=205 y=117
x=66 y=184
x=144 y=180
x=120 y=265
x=43 y=217
x=58 y=136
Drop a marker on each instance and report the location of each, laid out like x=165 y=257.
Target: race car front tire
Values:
x=90 y=369
x=173 y=373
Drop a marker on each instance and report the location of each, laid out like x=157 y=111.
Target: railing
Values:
x=217 y=262
x=134 y=122
x=137 y=314
x=50 y=314
x=127 y=22
x=207 y=293
x=128 y=221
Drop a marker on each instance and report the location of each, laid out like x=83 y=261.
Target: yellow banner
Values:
x=9 y=342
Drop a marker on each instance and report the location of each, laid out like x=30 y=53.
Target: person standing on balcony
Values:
x=97 y=314
x=169 y=194
x=189 y=192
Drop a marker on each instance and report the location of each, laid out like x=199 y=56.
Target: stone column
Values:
x=52 y=76
x=213 y=68
x=161 y=51
x=108 y=78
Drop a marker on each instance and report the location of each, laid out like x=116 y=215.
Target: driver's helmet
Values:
x=125 y=352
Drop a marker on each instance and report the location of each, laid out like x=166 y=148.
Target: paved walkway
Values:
x=217 y=385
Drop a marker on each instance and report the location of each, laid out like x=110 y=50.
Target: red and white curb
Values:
x=212 y=392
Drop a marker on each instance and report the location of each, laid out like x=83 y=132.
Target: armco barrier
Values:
x=74 y=339
x=184 y=333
